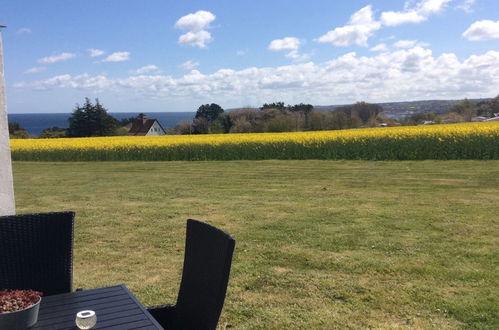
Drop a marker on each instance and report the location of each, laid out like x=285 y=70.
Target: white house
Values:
x=145 y=126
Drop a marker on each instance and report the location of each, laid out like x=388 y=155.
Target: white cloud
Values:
x=409 y=44
x=420 y=12
x=405 y=43
x=466 y=5
x=288 y=43
x=195 y=39
x=117 y=57
x=404 y=74
x=82 y=81
x=56 y=58
x=360 y=27
x=189 y=65
x=196 y=21
x=151 y=68
x=379 y=48
x=195 y=24
x=295 y=55
x=241 y=52
x=392 y=18
x=35 y=69
x=482 y=30
x=24 y=30
x=95 y=52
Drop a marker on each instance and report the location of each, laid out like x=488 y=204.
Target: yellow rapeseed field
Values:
x=451 y=141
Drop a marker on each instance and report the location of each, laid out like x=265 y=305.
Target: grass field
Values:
x=320 y=244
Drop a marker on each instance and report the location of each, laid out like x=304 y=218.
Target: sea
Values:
x=35 y=123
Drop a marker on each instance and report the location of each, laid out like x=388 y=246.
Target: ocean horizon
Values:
x=35 y=123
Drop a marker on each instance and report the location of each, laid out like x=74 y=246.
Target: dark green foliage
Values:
x=17 y=132
x=130 y=120
x=275 y=105
x=13 y=126
x=91 y=120
x=53 y=132
x=210 y=112
x=304 y=108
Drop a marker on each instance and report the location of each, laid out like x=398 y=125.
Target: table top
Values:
x=115 y=307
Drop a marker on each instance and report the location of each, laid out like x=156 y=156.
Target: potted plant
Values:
x=19 y=308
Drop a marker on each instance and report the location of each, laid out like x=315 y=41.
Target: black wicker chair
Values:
x=207 y=261
x=36 y=252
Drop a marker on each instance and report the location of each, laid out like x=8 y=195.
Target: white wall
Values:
x=156 y=129
x=7 y=205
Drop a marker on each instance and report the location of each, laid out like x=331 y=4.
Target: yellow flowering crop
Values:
x=452 y=141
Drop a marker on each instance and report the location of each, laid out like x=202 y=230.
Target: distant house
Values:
x=146 y=126
x=478 y=119
x=493 y=118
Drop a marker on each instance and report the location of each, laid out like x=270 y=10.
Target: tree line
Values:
x=277 y=117
x=89 y=119
x=464 y=111
x=93 y=119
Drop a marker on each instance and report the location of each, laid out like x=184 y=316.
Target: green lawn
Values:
x=320 y=244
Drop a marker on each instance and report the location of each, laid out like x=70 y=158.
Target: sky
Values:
x=162 y=55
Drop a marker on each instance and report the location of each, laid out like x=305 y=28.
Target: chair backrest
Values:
x=36 y=252
x=207 y=262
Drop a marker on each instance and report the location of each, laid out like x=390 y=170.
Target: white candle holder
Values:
x=86 y=319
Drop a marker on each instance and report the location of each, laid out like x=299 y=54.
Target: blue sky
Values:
x=138 y=56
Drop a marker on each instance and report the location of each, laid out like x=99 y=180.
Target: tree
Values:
x=53 y=132
x=339 y=120
x=91 y=120
x=420 y=117
x=184 y=127
x=13 y=126
x=488 y=108
x=275 y=105
x=130 y=120
x=304 y=108
x=361 y=110
x=17 y=132
x=210 y=112
x=465 y=108
x=200 y=125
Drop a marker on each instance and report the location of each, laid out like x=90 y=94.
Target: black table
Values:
x=115 y=307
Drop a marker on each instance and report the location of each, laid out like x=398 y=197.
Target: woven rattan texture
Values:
x=36 y=252
x=207 y=263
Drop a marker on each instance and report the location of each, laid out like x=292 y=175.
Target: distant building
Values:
x=146 y=126
x=478 y=119
x=493 y=119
